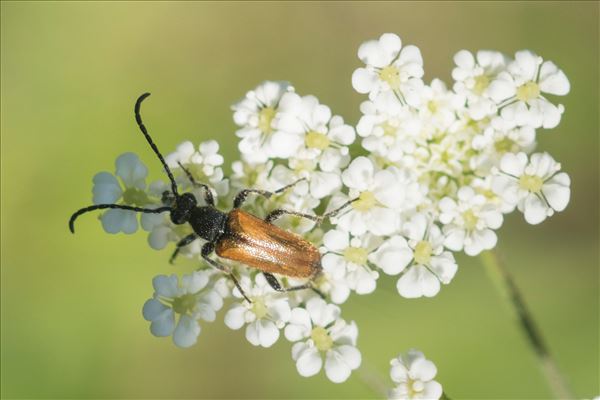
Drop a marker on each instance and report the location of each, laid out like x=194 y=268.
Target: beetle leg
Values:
x=274 y=283
x=208 y=197
x=241 y=196
x=275 y=214
x=207 y=249
x=183 y=242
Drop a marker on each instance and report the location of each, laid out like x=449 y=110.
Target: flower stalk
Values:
x=505 y=284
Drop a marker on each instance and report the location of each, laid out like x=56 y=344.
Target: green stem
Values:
x=514 y=299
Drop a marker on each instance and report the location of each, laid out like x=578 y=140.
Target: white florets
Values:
x=267 y=313
x=433 y=171
x=413 y=375
x=321 y=335
x=176 y=307
x=129 y=191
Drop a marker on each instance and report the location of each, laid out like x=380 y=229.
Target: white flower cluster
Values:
x=413 y=375
x=433 y=173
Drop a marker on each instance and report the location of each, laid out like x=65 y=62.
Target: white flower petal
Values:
x=321 y=313
x=163 y=324
x=423 y=370
x=262 y=333
x=363 y=80
x=340 y=361
x=417 y=281
x=557 y=192
x=433 y=390
x=553 y=80
x=308 y=362
x=115 y=221
x=234 y=318
x=152 y=309
x=455 y=239
x=336 y=240
x=106 y=189
x=186 y=333
x=359 y=174
x=513 y=164
x=392 y=256
x=166 y=286
x=534 y=209
x=131 y=170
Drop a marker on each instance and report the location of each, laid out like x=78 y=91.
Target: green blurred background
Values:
x=71 y=319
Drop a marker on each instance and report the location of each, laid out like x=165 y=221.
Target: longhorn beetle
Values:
x=236 y=235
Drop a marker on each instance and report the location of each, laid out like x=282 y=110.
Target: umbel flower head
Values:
x=429 y=170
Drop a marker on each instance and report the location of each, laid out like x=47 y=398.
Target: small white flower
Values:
x=379 y=193
x=389 y=131
x=267 y=313
x=250 y=175
x=430 y=265
x=255 y=115
x=346 y=264
x=204 y=164
x=393 y=255
x=519 y=91
x=130 y=191
x=320 y=333
x=324 y=140
x=447 y=156
x=389 y=67
x=497 y=140
x=473 y=76
x=440 y=105
x=189 y=300
x=535 y=186
x=468 y=222
x=414 y=375
x=313 y=122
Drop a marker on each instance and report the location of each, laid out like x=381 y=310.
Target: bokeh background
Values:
x=71 y=319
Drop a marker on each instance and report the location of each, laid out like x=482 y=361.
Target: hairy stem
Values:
x=514 y=299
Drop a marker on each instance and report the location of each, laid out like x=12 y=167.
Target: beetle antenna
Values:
x=119 y=206
x=138 y=119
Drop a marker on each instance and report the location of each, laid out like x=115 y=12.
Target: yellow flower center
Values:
x=135 y=196
x=504 y=145
x=259 y=308
x=531 y=183
x=304 y=165
x=423 y=252
x=391 y=75
x=481 y=83
x=528 y=91
x=365 y=201
x=316 y=140
x=322 y=340
x=432 y=106
x=389 y=129
x=356 y=255
x=470 y=220
x=265 y=118
x=415 y=387
x=184 y=304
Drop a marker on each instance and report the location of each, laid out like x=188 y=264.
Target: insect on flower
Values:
x=235 y=235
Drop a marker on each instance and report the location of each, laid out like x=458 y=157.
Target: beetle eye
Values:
x=178 y=216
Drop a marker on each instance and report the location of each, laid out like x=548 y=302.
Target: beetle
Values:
x=235 y=235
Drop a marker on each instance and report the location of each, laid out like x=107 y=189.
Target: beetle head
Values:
x=182 y=208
